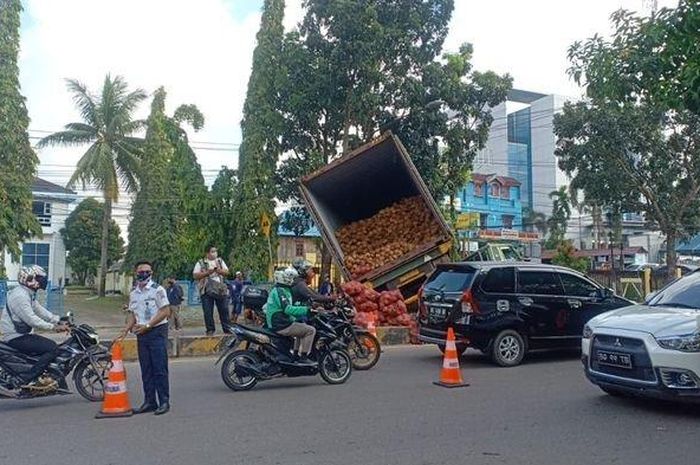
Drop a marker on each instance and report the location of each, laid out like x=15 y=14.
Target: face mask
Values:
x=42 y=281
x=142 y=276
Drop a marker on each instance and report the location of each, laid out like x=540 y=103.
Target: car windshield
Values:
x=450 y=279
x=683 y=293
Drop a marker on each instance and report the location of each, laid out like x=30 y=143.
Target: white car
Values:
x=651 y=349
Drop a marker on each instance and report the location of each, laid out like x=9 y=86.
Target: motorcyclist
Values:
x=281 y=315
x=301 y=292
x=22 y=315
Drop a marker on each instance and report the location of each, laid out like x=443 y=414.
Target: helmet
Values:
x=286 y=277
x=302 y=266
x=32 y=274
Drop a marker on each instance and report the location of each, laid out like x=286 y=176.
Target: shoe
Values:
x=306 y=361
x=145 y=408
x=163 y=409
x=210 y=333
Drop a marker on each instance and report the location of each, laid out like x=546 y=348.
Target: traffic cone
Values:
x=450 y=375
x=371 y=327
x=116 y=401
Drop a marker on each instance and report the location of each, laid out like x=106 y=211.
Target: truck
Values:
x=358 y=185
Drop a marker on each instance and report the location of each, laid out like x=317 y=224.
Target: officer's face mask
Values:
x=142 y=276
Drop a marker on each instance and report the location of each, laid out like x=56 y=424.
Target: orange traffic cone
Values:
x=450 y=375
x=371 y=327
x=116 y=401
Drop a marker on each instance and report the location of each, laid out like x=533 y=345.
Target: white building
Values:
x=51 y=204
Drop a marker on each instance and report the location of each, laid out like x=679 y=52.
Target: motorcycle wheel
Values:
x=335 y=366
x=366 y=354
x=233 y=380
x=90 y=383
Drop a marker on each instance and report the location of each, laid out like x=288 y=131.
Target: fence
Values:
x=630 y=284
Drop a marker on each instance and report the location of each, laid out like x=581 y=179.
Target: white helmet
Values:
x=32 y=274
x=286 y=277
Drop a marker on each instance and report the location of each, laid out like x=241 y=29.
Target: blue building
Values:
x=497 y=200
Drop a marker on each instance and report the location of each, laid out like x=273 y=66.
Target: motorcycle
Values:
x=364 y=347
x=268 y=356
x=80 y=354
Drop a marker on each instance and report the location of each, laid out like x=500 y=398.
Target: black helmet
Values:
x=302 y=266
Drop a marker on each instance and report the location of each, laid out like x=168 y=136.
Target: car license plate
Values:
x=614 y=359
x=438 y=312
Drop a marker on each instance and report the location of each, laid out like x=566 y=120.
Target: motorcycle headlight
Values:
x=682 y=343
x=587 y=332
x=95 y=338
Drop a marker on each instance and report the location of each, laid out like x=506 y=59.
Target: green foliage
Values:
x=260 y=149
x=649 y=59
x=565 y=257
x=297 y=220
x=559 y=220
x=221 y=219
x=18 y=161
x=112 y=158
x=82 y=234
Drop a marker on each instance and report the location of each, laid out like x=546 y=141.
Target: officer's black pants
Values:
x=153 y=358
x=32 y=344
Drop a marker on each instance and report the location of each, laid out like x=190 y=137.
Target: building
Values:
x=496 y=199
x=292 y=246
x=51 y=204
x=604 y=259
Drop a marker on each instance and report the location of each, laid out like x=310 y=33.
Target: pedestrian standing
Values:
x=236 y=292
x=210 y=273
x=326 y=287
x=175 y=297
x=148 y=319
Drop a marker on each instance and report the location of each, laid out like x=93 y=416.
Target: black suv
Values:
x=505 y=309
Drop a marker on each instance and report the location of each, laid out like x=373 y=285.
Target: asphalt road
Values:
x=543 y=412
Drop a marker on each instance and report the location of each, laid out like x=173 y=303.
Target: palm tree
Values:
x=535 y=221
x=111 y=161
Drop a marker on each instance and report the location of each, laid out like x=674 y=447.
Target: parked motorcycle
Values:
x=364 y=347
x=268 y=356
x=80 y=354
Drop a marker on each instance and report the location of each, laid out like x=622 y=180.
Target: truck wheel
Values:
x=461 y=348
x=508 y=348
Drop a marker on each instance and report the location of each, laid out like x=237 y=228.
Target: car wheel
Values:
x=461 y=348
x=508 y=348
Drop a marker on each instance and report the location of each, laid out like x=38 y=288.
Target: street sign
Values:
x=265 y=224
x=467 y=221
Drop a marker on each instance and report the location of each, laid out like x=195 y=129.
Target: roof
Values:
x=548 y=254
x=690 y=247
x=43 y=186
x=505 y=181
x=523 y=96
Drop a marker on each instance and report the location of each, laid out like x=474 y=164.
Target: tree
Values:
x=221 y=218
x=642 y=158
x=654 y=58
x=82 y=235
x=558 y=222
x=152 y=229
x=112 y=158
x=18 y=162
x=260 y=149
x=355 y=68
x=639 y=131
x=535 y=221
x=297 y=220
x=565 y=256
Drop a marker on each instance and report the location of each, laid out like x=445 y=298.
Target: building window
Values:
x=505 y=193
x=479 y=189
x=484 y=220
x=36 y=254
x=508 y=221
x=42 y=210
x=495 y=189
x=299 y=249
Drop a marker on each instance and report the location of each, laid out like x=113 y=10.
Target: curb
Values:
x=200 y=346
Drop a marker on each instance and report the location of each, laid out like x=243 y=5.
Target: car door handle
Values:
x=575 y=304
x=526 y=301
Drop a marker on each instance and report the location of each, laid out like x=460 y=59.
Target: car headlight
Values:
x=587 y=332
x=683 y=343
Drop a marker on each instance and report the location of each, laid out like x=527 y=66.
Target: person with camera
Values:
x=210 y=274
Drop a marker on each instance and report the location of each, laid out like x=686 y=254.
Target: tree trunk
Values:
x=106 y=218
x=671 y=238
x=3 y=274
x=325 y=261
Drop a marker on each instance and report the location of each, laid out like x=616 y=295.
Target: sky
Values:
x=201 y=52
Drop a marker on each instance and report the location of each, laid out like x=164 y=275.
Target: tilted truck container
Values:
x=357 y=186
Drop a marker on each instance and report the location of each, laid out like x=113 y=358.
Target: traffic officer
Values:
x=148 y=319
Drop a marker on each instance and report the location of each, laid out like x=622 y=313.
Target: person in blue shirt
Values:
x=235 y=289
